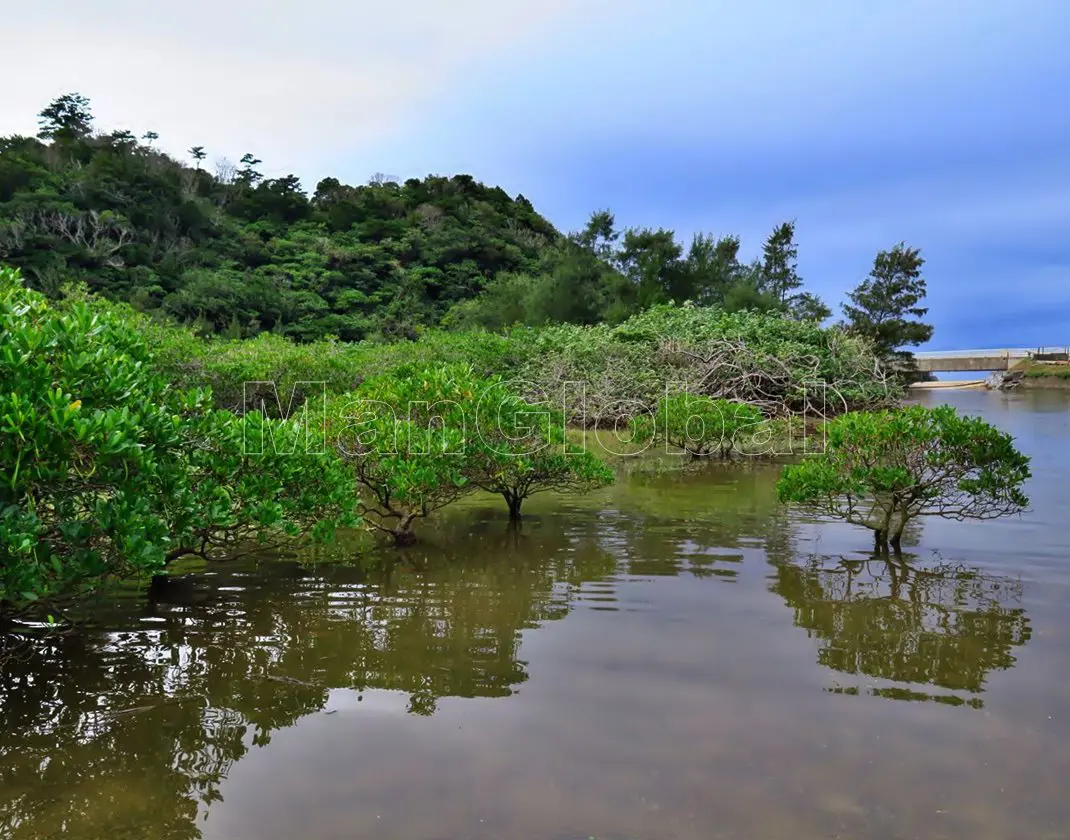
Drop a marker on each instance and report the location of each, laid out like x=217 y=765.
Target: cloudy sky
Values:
x=944 y=123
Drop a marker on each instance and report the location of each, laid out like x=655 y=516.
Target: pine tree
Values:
x=66 y=118
x=779 y=276
x=885 y=306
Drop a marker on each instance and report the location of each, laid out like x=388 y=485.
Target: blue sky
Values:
x=942 y=123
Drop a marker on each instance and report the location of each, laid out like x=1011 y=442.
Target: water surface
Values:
x=674 y=657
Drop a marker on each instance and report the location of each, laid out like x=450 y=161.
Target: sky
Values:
x=942 y=123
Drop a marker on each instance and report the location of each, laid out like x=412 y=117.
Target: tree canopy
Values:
x=109 y=470
x=883 y=469
x=886 y=306
x=236 y=253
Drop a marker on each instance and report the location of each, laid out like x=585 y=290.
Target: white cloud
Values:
x=291 y=84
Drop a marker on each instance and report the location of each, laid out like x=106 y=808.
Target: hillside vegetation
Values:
x=159 y=318
x=233 y=252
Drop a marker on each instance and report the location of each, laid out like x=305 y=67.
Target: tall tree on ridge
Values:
x=886 y=305
x=779 y=276
x=66 y=118
x=651 y=260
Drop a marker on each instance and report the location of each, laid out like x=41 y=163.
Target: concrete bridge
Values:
x=982 y=360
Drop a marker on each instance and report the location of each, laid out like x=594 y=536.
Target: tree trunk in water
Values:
x=403 y=534
x=403 y=538
x=896 y=527
x=880 y=542
x=514 y=503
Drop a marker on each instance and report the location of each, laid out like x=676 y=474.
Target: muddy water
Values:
x=676 y=657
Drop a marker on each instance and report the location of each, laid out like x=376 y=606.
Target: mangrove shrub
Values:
x=106 y=469
x=404 y=436
x=882 y=469
x=700 y=426
x=424 y=436
x=522 y=450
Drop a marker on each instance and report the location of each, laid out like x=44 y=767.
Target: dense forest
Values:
x=235 y=253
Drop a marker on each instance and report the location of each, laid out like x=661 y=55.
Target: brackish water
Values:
x=675 y=657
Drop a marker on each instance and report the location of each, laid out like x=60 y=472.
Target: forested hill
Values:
x=222 y=247
x=242 y=253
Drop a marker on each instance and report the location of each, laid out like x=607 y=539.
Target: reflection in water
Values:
x=128 y=732
x=944 y=625
x=104 y=737
x=668 y=702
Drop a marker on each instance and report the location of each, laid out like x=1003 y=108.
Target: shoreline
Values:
x=947 y=384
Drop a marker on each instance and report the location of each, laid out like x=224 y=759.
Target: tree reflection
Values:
x=121 y=734
x=129 y=732
x=946 y=626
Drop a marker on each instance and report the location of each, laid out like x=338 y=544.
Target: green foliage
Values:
x=571 y=283
x=109 y=470
x=269 y=367
x=808 y=307
x=404 y=435
x=242 y=254
x=601 y=275
x=604 y=374
x=66 y=118
x=711 y=270
x=700 y=426
x=1043 y=371
x=885 y=306
x=596 y=375
x=424 y=436
x=883 y=469
x=521 y=449
x=779 y=253
x=238 y=254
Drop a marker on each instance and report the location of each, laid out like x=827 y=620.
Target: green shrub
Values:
x=521 y=450
x=424 y=436
x=404 y=437
x=700 y=426
x=109 y=470
x=601 y=374
x=883 y=469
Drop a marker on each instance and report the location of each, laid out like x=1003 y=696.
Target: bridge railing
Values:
x=995 y=353
x=1013 y=352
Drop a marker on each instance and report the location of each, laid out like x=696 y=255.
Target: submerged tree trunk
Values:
x=403 y=538
x=403 y=534
x=897 y=523
x=514 y=501
x=880 y=541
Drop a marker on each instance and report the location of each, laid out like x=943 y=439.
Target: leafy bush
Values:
x=521 y=450
x=603 y=374
x=109 y=470
x=404 y=435
x=700 y=426
x=424 y=436
x=297 y=371
x=883 y=469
